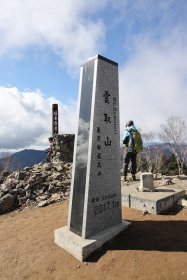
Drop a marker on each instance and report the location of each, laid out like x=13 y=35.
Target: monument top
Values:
x=100 y=57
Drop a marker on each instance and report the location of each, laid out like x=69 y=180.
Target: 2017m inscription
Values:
x=99 y=209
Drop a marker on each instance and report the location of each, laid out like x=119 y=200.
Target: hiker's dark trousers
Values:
x=127 y=158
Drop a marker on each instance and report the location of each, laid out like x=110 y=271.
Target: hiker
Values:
x=133 y=142
x=50 y=150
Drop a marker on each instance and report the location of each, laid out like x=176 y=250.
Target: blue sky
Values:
x=43 y=44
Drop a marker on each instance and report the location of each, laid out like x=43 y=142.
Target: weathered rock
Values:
x=5 y=173
x=44 y=182
x=5 y=188
x=55 y=198
x=22 y=192
x=1 y=194
x=43 y=203
x=28 y=193
x=20 y=175
x=22 y=200
x=42 y=197
x=1 y=179
x=67 y=183
x=21 y=185
x=27 y=168
x=52 y=188
x=14 y=192
x=6 y=202
x=58 y=168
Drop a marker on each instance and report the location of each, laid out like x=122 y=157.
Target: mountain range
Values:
x=21 y=159
x=29 y=157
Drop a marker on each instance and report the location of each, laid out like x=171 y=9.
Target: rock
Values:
x=22 y=200
x=42 y=197
x=5 y=173
x=66 y=183
x=1 y=179
x=14 y=192
x=40 y=180
x=5 y=188
x=67 y=166
x=56 y=176
x=47 y=167
x=43 y=203
x=54 y=197
x=22 y=192
x=52 y=188
x=28 y=193
x=66 y=194
x=59 y=168
x=20 y=175
x=20 y=185
x=41 y=184
x=6 y=203
x=27 y=168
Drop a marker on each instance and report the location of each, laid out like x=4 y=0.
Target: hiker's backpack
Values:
x=137 y=141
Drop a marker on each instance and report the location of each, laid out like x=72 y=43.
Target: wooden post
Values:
x=54 y=119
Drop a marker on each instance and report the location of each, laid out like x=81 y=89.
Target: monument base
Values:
x=81 y=248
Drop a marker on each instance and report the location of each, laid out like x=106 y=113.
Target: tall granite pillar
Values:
x=95 y=200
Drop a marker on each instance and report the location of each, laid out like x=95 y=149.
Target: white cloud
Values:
x=68 y=27
x=153 y=83
x=153 y=80
x=25 y=119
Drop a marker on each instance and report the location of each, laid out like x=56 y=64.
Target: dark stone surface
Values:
x=82 y=149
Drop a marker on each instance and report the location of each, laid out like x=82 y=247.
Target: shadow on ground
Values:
x=166 y=236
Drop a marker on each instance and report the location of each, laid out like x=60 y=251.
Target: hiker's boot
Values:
x=134 y=177
x=125 y=179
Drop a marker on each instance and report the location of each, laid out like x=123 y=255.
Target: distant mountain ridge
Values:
x=29 y=157
x=162 y=146
x=21 y=159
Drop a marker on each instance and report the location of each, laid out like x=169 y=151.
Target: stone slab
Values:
x=146 y=182
x=81 y=248
x=156 y=202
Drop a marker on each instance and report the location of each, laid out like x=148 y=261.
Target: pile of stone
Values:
x=63 y=145
x=41 y=184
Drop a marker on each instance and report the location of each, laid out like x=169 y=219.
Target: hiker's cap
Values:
x=129 y=123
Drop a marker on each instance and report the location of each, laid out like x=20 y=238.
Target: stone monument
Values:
x=95 y=200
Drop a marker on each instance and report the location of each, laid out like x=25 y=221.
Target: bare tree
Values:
x=158 y=159
x=152 y=156
x=174 y=136
x=147 y=153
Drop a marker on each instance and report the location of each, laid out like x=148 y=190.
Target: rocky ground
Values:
x=153 y=247
x=47 y=183
x=41 y=184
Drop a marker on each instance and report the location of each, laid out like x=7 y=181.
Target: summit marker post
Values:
x=95 y=214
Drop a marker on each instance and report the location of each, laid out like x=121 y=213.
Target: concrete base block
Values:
x=152 y=202
x=81 y=248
